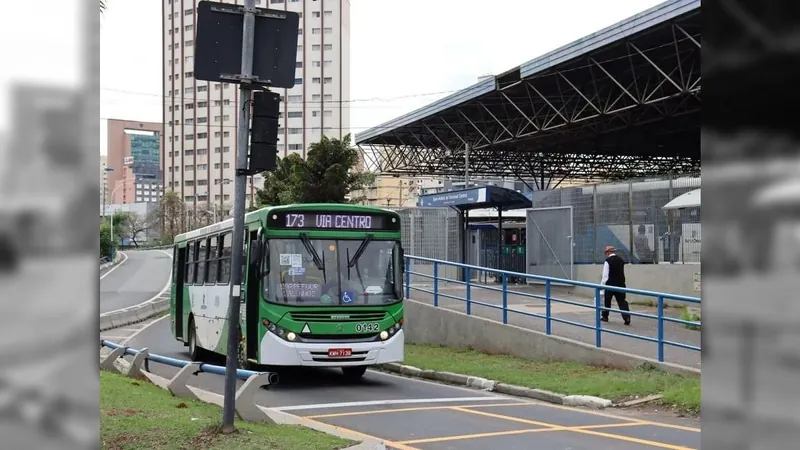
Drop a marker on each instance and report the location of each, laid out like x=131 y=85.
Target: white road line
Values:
x=385 y=402
x=155 y=297
x=115 y=267
x=130 y=338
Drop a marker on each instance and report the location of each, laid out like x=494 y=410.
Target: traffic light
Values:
x=264 y=132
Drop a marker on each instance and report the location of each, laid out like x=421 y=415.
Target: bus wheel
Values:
x=195 y=352
x=354 y=372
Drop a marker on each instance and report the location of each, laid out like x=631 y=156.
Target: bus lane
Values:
x=416 y=414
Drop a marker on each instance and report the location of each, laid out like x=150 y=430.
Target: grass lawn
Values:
x=135 y=414
x=682 y=391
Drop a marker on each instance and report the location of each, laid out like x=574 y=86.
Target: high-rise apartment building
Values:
x=201 y=118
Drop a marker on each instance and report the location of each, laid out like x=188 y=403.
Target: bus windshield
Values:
x=320 y=272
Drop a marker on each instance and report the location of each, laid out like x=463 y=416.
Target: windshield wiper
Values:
x=360 y=251
x=312 y=251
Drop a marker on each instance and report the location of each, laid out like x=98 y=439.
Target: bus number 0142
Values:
x=367 y=327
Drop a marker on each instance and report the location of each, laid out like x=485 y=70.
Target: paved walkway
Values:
x=517 y=304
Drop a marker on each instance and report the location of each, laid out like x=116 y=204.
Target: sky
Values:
x=405 y=54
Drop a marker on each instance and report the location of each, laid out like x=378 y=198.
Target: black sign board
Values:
x=218 y=45
x=346 y=221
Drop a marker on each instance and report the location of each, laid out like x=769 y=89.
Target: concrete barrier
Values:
x=133 y=314
x=425 y=324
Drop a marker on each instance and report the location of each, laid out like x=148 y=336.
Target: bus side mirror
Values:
x=255 y=254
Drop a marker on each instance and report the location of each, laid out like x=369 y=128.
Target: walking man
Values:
x=614 y=275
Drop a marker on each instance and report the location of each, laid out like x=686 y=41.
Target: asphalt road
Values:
x=136 y=279
x=414 y=414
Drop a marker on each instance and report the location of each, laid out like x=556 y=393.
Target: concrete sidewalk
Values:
x=519 y=305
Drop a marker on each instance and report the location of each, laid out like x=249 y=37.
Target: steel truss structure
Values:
x=624 y=107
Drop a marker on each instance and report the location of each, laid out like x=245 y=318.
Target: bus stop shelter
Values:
x=465 y=200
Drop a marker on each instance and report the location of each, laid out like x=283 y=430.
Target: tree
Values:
x=327 y=175
x=205 y=215
x=281 y=186
x=134 y=225
x=172 y=215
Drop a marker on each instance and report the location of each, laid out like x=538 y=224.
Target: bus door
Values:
x=250 y=292
x=178 y=264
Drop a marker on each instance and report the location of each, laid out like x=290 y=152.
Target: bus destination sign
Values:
x=333 y=221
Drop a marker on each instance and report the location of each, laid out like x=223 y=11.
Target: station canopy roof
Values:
x=620 y=103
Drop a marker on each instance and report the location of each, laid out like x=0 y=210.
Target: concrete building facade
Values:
x=134 y=157
x=389 y=192
x=201 y=118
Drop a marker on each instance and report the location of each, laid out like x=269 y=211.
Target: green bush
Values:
x=692 y=315
x=107 y=245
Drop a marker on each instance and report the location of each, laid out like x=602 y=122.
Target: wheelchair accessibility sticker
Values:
x=348 y=296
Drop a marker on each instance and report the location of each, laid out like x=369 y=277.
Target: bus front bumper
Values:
x=278 y=352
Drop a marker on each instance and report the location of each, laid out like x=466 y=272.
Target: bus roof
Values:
x=263 y=212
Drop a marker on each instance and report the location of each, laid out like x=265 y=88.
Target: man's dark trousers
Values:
x=621 y=302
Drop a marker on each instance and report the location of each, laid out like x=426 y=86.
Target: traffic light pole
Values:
x=237 y=250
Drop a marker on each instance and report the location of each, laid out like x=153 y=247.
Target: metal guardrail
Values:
x=179 y=363
x=245 y=405
x=548 y=298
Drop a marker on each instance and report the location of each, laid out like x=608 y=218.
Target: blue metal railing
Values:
x=548 y=298
x=207 y=368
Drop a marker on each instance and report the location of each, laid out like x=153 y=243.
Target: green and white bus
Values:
x=322 y=286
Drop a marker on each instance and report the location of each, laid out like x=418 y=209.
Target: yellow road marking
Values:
x=416 y=408
x=500 y=405
x=599 y=414
x=386 y=442
x=513 y=432
x=573 y=429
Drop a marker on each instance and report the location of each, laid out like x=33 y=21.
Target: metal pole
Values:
x=630 y=219
x=466 y=166
x=113 y=241
x=248 y=32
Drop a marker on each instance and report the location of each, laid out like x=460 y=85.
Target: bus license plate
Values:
x=340 y=352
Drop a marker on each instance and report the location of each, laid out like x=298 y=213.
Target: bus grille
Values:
x=338 y=317
x=337 y=338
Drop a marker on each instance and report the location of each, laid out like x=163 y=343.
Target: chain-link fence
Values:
x=431 y=233
x=629 y=216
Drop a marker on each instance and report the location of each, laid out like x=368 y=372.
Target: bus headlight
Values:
x=290 y=336
x=384 y=335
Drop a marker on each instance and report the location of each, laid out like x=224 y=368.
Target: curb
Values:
x=277 y=416
x=111 y=263
x=495 y=386
x=133 y=314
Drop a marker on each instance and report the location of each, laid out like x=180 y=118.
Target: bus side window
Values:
x=190 y=263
